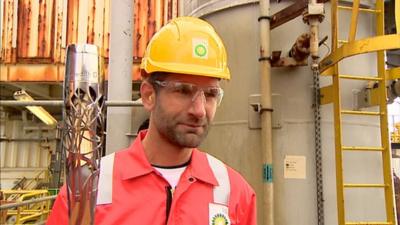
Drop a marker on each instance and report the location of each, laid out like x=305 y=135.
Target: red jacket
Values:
x=140 y=194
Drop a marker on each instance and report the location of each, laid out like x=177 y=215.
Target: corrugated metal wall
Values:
x=25 y=151
x=37 y=32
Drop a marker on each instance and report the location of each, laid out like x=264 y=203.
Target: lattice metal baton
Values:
x=83 y=138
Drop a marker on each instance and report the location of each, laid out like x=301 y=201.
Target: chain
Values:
x=318 y=150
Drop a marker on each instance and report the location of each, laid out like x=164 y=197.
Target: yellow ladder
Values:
x=331 y=94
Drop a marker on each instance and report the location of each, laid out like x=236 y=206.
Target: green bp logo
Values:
x=219 y=219
x=200 y=48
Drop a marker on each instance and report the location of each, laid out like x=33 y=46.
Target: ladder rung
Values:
x=360 y=9
x=360 y=77
x=365 y=185
x=343 y=41
x=359 y=148
x=361 y=113
x=368 y=223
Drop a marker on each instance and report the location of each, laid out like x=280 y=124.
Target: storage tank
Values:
x=232 y=140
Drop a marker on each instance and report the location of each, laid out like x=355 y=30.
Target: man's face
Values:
x=185 y=106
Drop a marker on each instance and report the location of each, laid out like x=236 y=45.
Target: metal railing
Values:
x=26 y=206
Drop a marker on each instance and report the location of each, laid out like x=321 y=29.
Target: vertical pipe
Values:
x=314 y=24
x=397 y=15
x=120 y=74
x=313 y=21
x=266 y=113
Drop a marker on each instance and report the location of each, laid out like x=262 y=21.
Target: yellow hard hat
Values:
x=186 y=45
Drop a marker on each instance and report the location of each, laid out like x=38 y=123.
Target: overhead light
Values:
x=38 y=111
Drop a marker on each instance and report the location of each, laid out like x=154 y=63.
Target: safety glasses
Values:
x=189 y=92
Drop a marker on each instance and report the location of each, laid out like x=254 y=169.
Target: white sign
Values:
x=295 y=167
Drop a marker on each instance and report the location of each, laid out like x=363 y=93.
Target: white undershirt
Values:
x=172 y=175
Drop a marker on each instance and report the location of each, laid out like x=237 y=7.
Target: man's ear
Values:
x=148 y=95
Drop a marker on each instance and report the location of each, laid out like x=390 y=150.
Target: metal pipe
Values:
x=266 y=112
x=26 y=139
x=120 y=73
x=18 y=204
x=61 y=103
x=313 y=17
x=314 y=42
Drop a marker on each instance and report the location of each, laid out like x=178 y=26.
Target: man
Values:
x=162 y=178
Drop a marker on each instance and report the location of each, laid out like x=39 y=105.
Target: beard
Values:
x=182 y=130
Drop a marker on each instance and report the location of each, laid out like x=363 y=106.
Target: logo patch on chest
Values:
x=218 y=214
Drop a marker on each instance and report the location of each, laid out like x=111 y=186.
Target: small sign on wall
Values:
x=295 y=167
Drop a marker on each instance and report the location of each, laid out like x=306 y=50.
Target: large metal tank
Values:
x=231 y=140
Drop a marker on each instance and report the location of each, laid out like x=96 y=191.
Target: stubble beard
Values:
x=170 y=127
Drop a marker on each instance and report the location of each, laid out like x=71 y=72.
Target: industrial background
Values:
x=328 y=153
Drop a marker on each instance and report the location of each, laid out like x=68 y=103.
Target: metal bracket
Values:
x=256 y=109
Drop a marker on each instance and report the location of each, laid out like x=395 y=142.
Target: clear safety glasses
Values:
x=190 y=92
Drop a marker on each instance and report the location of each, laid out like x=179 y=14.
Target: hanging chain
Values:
x=318 y=148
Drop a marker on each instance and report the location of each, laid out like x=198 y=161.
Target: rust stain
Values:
x=72 y=21
x=22 y=22
x=46 y=73
x=33 y=73
x=151 y=24
x=91 y=17
x=169 y=9
x=41 y=45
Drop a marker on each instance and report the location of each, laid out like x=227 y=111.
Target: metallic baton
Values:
x=83 y=131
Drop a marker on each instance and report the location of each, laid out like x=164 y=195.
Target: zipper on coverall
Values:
x=168 y=190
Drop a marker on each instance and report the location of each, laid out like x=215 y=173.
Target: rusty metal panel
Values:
x=35 y=29
x=1 y=28
x=37 y=32
x=149 y=17
x=88 y=22
x=9 y=31
x=59 y=33
x=105 y=51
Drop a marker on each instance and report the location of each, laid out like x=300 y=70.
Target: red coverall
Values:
x=140 y=195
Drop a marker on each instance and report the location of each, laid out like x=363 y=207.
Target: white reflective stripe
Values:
x=222 y=191
x=105 y=185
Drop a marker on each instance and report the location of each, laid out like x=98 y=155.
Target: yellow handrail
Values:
x=31 y=211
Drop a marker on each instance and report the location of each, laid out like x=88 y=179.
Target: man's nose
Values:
x=198 y=104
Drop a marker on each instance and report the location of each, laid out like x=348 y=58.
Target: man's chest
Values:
x=153 y=202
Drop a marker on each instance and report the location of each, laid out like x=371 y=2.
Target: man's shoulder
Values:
x=119 y=154
x=236 y=178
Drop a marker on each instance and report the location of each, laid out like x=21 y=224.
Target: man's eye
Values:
x=211 y=92
x=185 y=89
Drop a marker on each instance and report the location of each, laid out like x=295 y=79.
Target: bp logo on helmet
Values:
x=200 y=48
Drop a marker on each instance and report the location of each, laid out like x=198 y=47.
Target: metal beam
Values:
x=61 y=103
x=374 y=44
x=393 y=73
x=290 y=12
